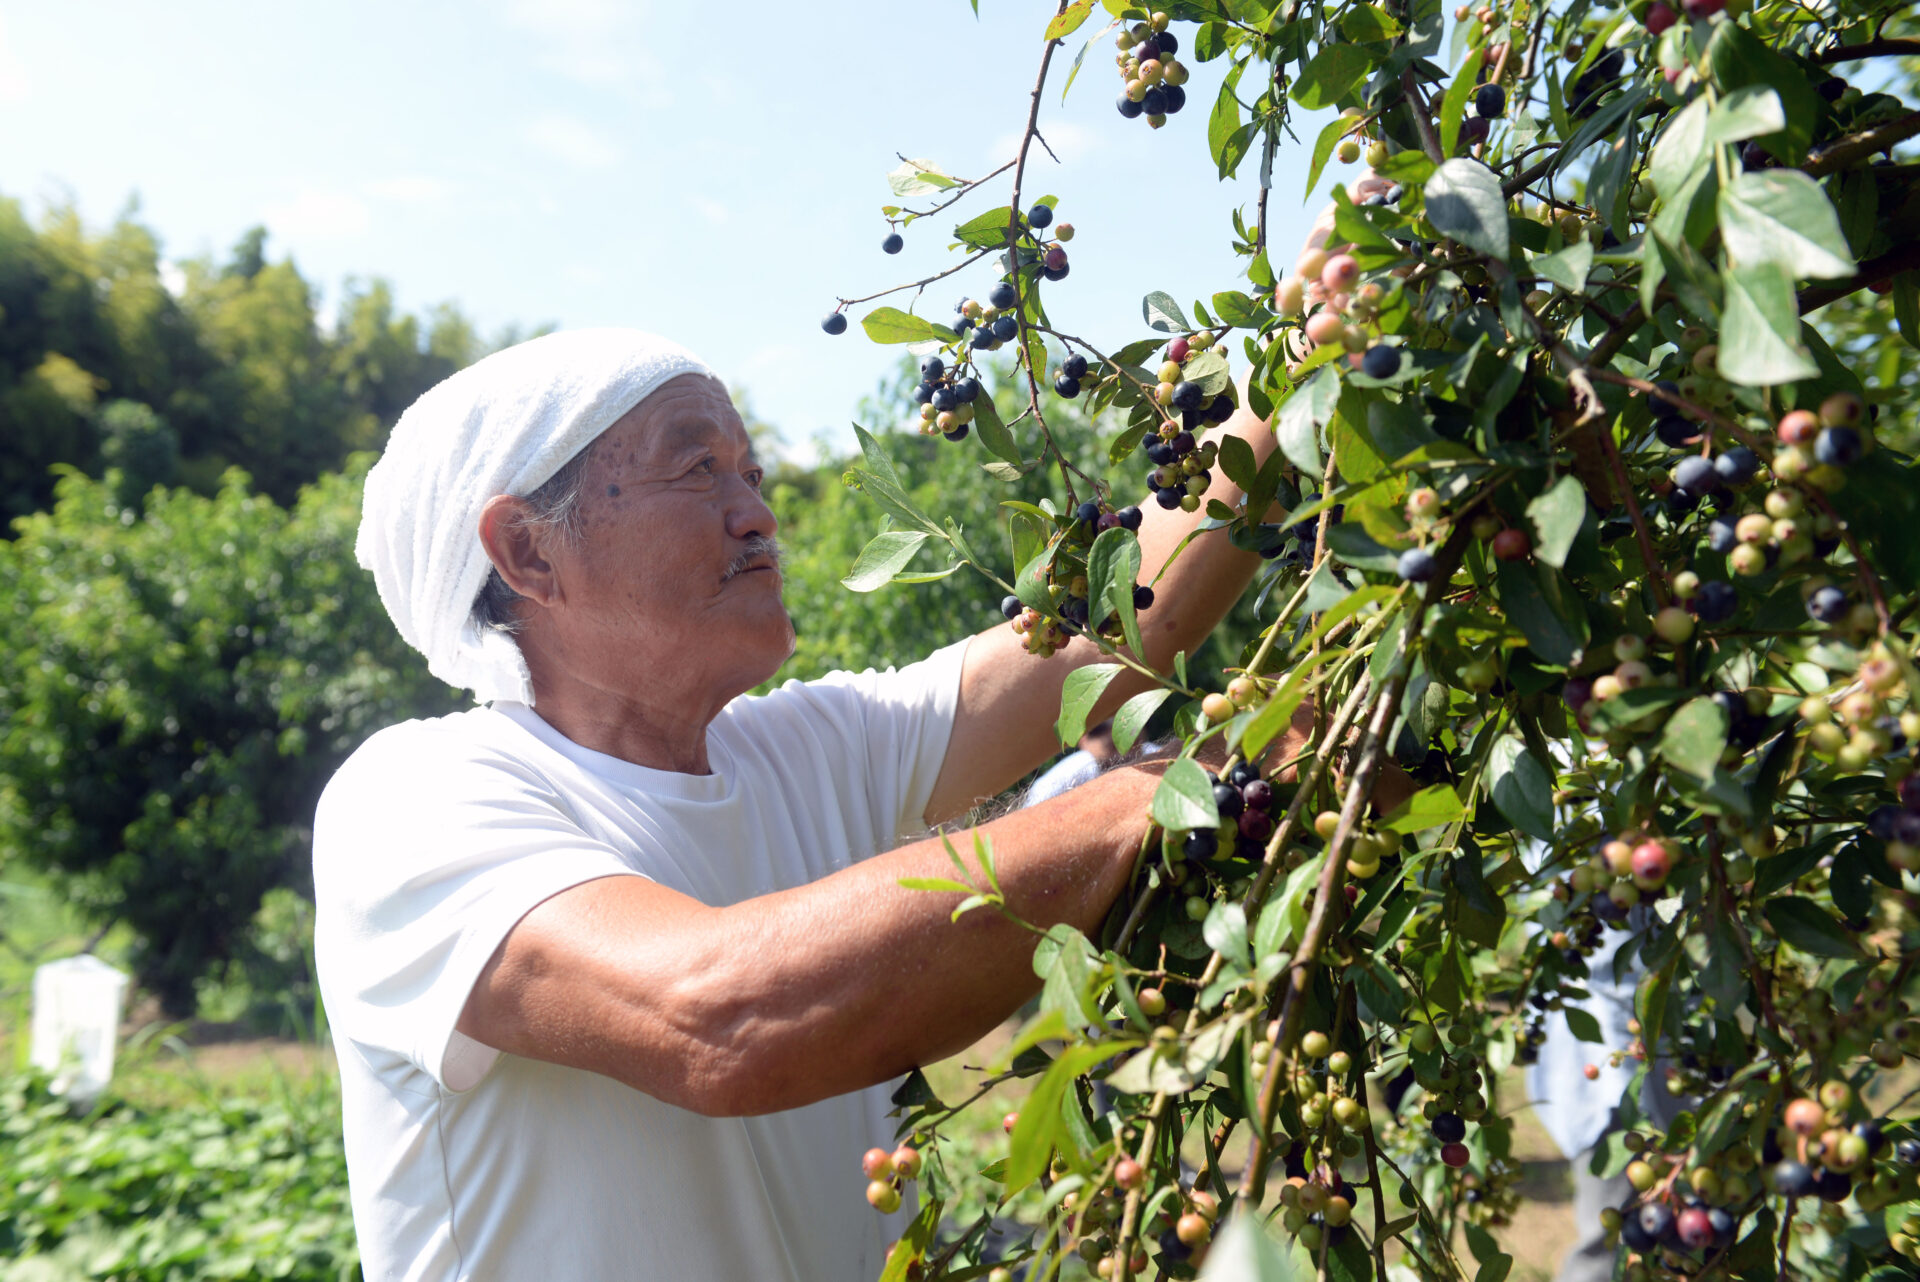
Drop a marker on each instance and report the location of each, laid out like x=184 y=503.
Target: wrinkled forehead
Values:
x=687 y=411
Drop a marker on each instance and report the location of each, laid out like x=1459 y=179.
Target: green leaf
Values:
x=943 y=884
x=1209 y=370
x=1113 y=567
x=1781 y=216
x=1464 y=202
x=885 y=556
x=1355 y=546
x=1556 y=516
x=1746 y=113
x=1568 y=268
x=1225 y=931
x=1161 y=312
x=1583 y=1025
x=1453 y=108
x=1521 y=787
x=1224 y=141
x=1428 y=808
x=986 y=231
x=1244 y=1253
x=1330 y=135
x=919 y=178
x=1237 y=461
x=1131 y=720
x=1184 y=799
x=1329 y=76
x=1040 y=1127
x=1068 y=20
x=1539 y=601
x=1367 y=23
x=1297 y=421
x=1739 y=59
x=1695 y=736
x=1237 y=309
x=993 y=432
x=1681 y=155
x=1760 y=329
x=1078 y=693
x=891 y=325
x=914 y=1243
x=1810 y=928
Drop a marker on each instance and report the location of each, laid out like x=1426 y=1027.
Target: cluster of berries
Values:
x=886 y=1173
x=1153 y=76
x=1623 y=872
x=946 y=398
x=1180 y=472
x=1068 y=588
x=1340 y=313
x=1858 y=726
x=992 y=322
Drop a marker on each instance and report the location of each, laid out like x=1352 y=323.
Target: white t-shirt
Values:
x=436 y=837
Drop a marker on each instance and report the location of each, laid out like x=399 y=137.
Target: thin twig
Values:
x=919 y=284
x=1887 y=48
x=959 y=192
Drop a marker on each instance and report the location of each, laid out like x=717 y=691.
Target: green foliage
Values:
x=235 y=371
x=180 y=683
x=215 y=1188
x=1607 y=248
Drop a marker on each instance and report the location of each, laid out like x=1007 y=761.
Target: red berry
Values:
x=1651 y=862
x=1511 y=545
x=1799 y=427
x=1008 y=1122
x=1128 y=1173
x=1454 y=1154
x=1695 y=1228
x=1056 y=258
x=1177 y=350
x=877 y=1164
x=1340 y=272
x=1700 y=10
x=1659 y=18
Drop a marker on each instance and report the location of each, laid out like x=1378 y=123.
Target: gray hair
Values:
x=552 y=509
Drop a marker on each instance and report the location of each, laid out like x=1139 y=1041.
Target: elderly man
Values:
x=617 y=963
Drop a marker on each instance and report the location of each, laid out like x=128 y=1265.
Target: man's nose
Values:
x=749 y=514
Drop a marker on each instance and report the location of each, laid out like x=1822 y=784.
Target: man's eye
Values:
x=755 y=477
x=705 y=467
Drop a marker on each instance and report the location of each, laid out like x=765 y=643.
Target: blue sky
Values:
x=710 y=172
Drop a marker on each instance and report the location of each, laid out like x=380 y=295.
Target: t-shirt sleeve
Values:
x=427 y=851
x=895 y=725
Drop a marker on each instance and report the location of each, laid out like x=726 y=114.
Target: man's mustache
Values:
x=758 y=548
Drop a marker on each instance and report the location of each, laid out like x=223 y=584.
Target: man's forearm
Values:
x=851 y=980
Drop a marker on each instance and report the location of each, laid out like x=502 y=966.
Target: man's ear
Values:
x=517 y=551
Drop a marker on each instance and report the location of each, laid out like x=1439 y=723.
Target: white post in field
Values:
x=76 y=1024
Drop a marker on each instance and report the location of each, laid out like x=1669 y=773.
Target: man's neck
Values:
x=662 y=727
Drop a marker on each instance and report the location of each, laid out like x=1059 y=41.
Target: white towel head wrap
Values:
x=502 y=426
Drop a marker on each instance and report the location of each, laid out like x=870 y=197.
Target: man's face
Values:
x=672 y=582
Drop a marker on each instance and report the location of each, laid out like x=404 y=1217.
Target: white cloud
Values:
x=14 y=84
x=410 y=189
x=318 y=213
x=593 y=42
x=572 y=140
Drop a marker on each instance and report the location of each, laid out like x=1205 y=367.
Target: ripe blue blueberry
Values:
x=1716 y=601
x=1088 y=512
x=1142 y=595
x=893 y=244
x=1074 y=366
x=1176 y=97
x=1130 y=518
x=943 y=399
x=1720 y=535
x=1154 y=101
x=1006 y=328
x=1416 y=565
x=1067 y=387
x=932 y=367
x=1129 y=108
x=1201 y=843
x=923 y=393
x=1675 y=431
x=1040 y=216
x=1837 y=446
x=1380 y=361
x=1003 y=295
x=1011 y=607
x=966 y=390
x=1695 y=475
x=1490 y=101
x=957 y=434
x=1737 y=465
x=1827 y=605
x=1658 y=403
x=835 y=323
x=1187 y=396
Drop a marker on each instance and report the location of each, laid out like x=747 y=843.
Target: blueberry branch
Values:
x=959 y=192
x=1858 y=147
x=1025 y=357
x=918 y=284
x=1888 y=47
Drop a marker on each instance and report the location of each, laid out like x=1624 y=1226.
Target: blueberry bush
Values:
x=1592 y=509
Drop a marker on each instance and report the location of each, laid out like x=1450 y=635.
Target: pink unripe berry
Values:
x=1341 y=271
